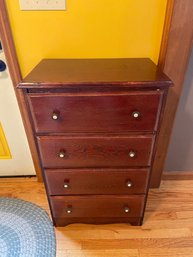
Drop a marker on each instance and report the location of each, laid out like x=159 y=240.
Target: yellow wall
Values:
x=4 y=148
x=88 y=28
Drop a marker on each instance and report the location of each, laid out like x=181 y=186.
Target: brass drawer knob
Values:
x=55 y=115
x=66 y=184
x=69 y=210
x=126 y=209
x=61 y=154
x=135 y=114
x=132 y=154
x=129 y=183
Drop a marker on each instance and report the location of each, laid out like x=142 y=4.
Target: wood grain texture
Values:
x=11 y=58
x=96 y=181
x=96 y=151
x=90 y=206
x=132 y=72
x=112 y=112
x=174 y=62
x=167 y=229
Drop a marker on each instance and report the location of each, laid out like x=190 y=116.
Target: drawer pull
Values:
x=129 y=183
x=66 y=184
x=69 y=210
x=126 y=209
x=61 y=154
x=136 y=114
x=55 y=115
x=132 y=154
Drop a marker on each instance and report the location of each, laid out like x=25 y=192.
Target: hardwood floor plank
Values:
x=85 y=233
x=167 y=230
x=122 y=233
x=137 y=243
x=168 y=224
x=160 y=215
x=68 y=244
x=168 y=252
x=184 y=214
x=153 y=233
x=98 y=253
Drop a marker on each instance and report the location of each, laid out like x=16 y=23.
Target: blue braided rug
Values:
x=25 y=230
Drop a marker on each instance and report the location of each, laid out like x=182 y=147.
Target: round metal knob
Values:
x=61 y=154
x=126 y=209
x=129 y=183
x=55 y=115
x=66 y=184
x=132 y=154
x=69 y=210
x=136 y=114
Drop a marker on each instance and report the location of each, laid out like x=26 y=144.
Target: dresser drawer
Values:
x=101 y=181
x=65 y=113
x=92 y=152
x=97 y=206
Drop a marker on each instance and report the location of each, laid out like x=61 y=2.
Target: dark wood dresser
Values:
x=95 y=123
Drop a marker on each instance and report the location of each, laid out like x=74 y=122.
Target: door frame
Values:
x=175 y=52
x=176 y=46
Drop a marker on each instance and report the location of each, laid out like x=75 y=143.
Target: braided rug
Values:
x=25 y=230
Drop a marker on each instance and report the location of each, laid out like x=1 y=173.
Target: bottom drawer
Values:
x=97 y=206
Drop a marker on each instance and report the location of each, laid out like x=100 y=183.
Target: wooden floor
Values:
x=167 y=229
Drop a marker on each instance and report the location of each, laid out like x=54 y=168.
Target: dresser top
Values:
x=115 y=72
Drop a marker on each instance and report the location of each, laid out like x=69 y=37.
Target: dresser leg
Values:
x=136 y=221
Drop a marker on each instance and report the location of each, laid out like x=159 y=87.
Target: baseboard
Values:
x=178 y=175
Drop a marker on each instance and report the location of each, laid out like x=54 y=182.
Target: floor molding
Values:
x=177 y=175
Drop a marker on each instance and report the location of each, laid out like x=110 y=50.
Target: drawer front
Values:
x=137 y=111
x=92 y=152
x=101 y=181
x=97 y=206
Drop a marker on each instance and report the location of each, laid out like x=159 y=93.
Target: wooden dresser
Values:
x=95 y=123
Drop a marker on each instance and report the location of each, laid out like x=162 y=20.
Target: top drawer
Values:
x=72 y=113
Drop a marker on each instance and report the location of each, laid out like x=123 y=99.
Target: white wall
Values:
x=10 y=118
